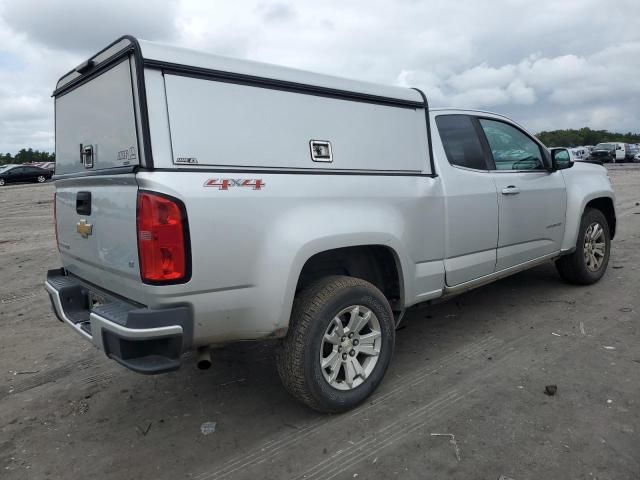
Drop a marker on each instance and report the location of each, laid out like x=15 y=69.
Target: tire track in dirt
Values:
x=95 y=372
x=399 y=389
x=49 y=376
x=398 y=429
x=351 y=456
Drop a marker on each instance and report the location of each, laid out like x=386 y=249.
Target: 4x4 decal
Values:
x=226 y=183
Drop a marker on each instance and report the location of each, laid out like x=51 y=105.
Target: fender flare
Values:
x=293 y=266
x=575 y=210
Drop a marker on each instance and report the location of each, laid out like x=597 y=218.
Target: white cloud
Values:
x=79 y=25
x=483 y=76
x=547 y=72
x=276 y=11
x=520 y=93
x=547 y=64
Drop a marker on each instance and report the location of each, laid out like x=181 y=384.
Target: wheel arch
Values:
x=593 y=193
x=336 y=248
x=378 y=264
x=606 y=206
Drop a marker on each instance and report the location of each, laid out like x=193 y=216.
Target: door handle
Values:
x=83 y=203
x=511 y=190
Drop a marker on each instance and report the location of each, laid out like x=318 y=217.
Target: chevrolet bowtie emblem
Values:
x=84 y=229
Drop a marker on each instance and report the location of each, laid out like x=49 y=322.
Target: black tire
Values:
x=573 y=268
x=298 y=358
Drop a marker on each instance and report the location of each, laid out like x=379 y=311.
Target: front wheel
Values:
x=339 y=344
x=2 y=182
x=587 y=264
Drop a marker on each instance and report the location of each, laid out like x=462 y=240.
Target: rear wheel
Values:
x=41 y=179
x=339 y=344
x=587 y=264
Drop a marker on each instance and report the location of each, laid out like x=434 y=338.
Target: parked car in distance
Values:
x=177 y=234
x=46 y=165
x=621 y=152
x=23 y=173
x=579 y=153
x=608 y=152
x=632 y=151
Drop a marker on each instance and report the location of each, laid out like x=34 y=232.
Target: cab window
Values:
x=461 y=142
x=511 y=148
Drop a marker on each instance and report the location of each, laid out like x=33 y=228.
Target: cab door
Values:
x=472 y=209
x=531 y=199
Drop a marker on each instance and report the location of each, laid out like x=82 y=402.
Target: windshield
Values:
x=605 y=146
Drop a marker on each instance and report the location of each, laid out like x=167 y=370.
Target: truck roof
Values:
x=468 y=110
x=158 y=55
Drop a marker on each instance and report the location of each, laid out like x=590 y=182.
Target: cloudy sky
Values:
x=547 y=64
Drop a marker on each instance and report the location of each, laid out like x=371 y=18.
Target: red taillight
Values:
x=162 y=246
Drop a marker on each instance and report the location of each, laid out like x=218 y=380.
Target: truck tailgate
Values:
x=98 y=242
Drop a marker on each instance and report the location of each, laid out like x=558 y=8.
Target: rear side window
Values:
x=511 y=148
x=460 y=141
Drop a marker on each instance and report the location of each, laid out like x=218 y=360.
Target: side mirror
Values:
x=560 y=159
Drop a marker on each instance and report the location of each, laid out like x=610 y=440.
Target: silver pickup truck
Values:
x=203 y=200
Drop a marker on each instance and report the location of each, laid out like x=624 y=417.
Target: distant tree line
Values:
x=27 y=155
x=584 y=136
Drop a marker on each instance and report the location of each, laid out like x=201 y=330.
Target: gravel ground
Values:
x=473 y=369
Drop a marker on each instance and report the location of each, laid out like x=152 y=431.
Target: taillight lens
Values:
x=162 y=242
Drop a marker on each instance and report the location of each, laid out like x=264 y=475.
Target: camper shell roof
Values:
x=189 y=62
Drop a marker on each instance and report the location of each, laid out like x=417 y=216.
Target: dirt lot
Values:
x=474 y=367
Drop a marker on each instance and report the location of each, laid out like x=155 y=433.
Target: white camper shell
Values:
x=181 y=120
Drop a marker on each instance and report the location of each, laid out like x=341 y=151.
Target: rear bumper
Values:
x=143 y=340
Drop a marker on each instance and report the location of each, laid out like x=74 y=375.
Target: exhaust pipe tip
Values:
x=204 y=358
x=204 y=364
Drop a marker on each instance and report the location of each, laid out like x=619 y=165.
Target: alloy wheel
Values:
x=594 y=247
x=350 y=347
